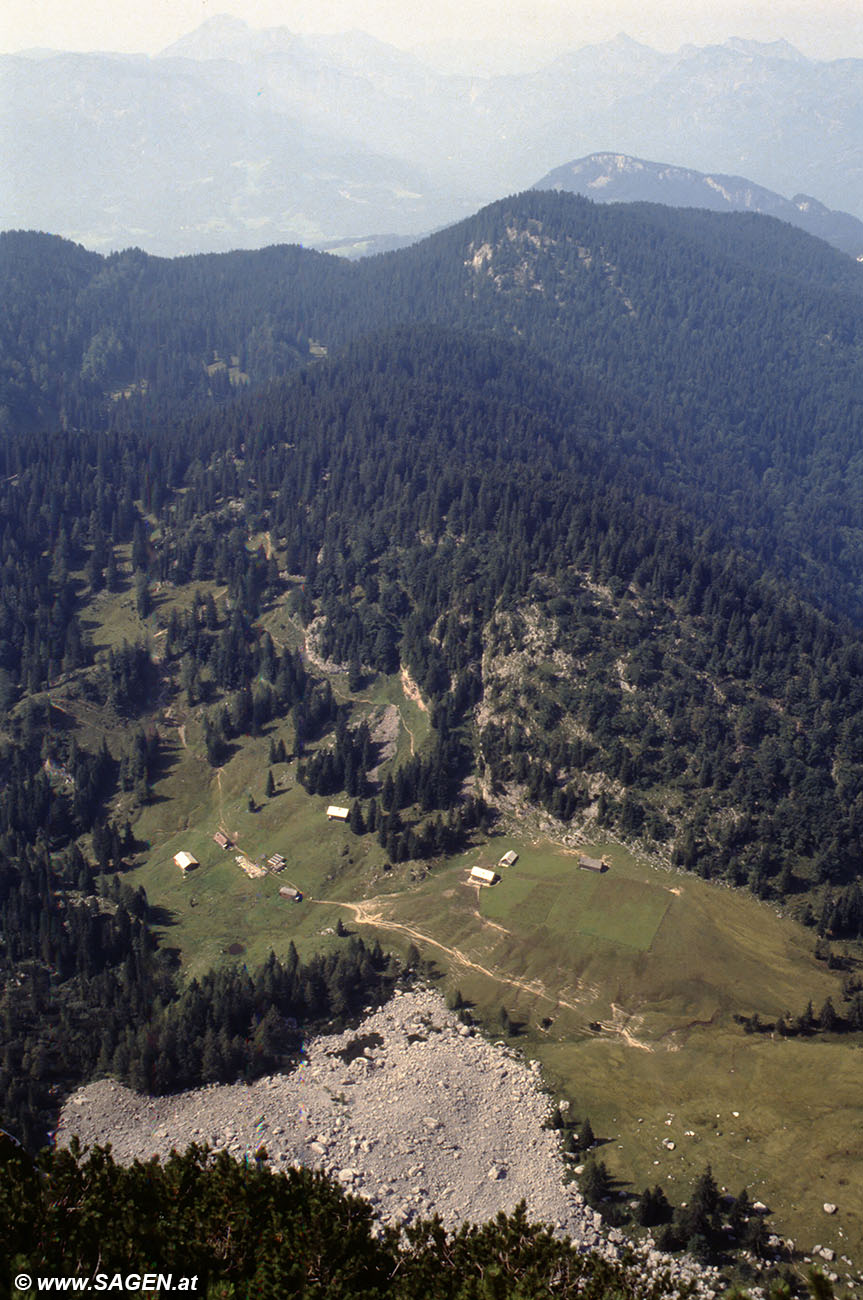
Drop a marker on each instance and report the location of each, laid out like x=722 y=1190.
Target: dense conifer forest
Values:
x=727 y=347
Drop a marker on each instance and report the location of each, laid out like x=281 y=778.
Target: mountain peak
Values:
x=225 y=36
x=780 y=49
x=621 y=178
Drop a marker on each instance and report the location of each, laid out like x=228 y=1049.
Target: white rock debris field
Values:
x=412 y=1110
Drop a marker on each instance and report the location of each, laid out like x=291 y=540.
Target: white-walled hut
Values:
x=483 y=876
x=185 y=861
x=509 y=859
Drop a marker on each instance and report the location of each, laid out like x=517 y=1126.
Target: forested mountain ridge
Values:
x=170 y=315
x=449 y=500
x=669 y=681
x=665 y=404
x=80 y=329
x=732 y=342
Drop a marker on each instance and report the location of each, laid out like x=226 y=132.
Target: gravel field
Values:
x=412 y=1110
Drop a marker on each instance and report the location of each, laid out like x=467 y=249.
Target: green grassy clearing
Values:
x=228 y=906
x=545 y=888
x=112 y=616
x=789 y=1143
x=668 y=968
x=218 y=904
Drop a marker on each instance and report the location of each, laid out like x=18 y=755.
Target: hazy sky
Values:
x=820 y=28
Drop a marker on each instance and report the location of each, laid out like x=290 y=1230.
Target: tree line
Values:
x=244 y=1229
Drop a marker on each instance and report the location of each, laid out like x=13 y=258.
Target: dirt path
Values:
x=222 y=826
x=181 y=732
x=490 y=925
x=410 y=733
x=84 y=715
x=620 y=1025
x=364 y=916
x=412 y=691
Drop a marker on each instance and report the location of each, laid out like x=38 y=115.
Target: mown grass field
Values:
x=609 y=907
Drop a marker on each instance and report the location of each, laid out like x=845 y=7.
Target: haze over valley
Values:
x=237 y=137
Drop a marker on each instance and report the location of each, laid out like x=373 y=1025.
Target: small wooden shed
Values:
x=509 y=859
x=483 y=876
x=185 y=861
x=337 y=814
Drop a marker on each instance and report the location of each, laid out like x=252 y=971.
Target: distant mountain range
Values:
x=235 y=137
x=617 y=178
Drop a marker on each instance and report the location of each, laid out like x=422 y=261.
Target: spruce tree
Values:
x=355 y=819
x=594 y=1181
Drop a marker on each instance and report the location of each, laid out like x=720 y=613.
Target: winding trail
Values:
x=412 y=693
x=410 y=733
x=364 y=916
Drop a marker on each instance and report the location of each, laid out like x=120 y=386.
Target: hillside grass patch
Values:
x=547 y=887
x=217 y=904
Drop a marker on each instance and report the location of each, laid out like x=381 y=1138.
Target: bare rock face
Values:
x=426 y=1120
